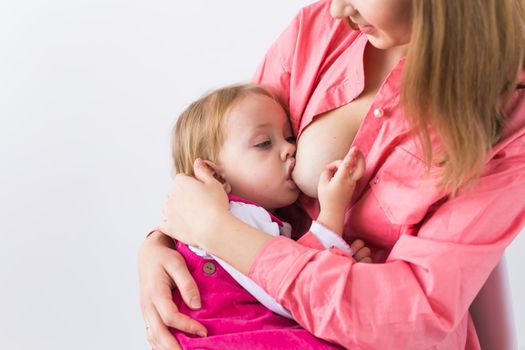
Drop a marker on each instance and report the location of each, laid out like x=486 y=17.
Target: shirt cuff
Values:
x=311 y=240
x=329 y=238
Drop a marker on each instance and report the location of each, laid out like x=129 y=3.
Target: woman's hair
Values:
x=199 y=131
x=462 y=66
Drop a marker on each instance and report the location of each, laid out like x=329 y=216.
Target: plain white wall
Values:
x=89 y=90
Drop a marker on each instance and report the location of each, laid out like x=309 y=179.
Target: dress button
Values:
x=378 y=112
x=209 y=268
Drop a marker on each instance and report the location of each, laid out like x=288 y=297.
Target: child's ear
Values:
x=218 y=174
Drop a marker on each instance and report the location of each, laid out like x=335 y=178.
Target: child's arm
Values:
x=335 y=190
x=320 y=236
x=336 y=187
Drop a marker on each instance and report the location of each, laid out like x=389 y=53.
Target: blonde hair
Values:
x=461 y=69
x=199 y=131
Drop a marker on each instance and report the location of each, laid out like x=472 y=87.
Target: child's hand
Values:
x=361 y=252
x=336 y=187
x=337 y=181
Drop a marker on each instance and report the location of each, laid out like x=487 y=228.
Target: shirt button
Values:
x=376 y=180
x=209 y=268
x=378 y=112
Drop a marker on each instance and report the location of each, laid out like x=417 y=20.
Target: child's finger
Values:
x=356 y=245
x=333 y=165
x=359 y=168
x=350 y=156
x=367 y=260
x=347 y=165
x=362 y=253
x=325 y=176
x=328 y=173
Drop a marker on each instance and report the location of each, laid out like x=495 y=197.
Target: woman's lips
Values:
x=367 y=29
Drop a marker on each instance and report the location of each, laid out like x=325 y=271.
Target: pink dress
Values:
x=233 y=317
x=432 y=253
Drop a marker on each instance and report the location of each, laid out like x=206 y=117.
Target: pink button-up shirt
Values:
x=432 y=253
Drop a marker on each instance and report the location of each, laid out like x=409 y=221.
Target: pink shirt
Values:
x=432 y=254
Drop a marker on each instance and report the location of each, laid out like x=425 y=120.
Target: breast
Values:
x=326 y=139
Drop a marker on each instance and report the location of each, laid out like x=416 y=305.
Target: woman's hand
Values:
x=194 y=206
x=162 y=268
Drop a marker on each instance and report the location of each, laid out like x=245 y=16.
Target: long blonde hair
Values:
x=199 y=130
x=461 y=69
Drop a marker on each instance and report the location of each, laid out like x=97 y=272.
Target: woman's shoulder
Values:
x=315 y=38
x=315 y=19
x=514 y=130
x=316 y=9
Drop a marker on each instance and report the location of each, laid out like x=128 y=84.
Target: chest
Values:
x=328 y=135
x=396 y=194
x=332 y=133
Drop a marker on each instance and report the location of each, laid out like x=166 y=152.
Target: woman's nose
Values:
x=342 y=9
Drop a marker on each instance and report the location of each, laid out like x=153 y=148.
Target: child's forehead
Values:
x=255 y=111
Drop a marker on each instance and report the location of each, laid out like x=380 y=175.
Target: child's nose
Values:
x=288 y=150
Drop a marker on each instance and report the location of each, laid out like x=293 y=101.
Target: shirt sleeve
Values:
x=275 y=69
x=423 y=291
x=321 y=237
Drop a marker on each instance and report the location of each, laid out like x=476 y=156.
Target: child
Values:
x=243 y=134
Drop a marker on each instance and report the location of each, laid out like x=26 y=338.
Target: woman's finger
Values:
x=184 y=282
x=176 y=270
x=204 y=173
x=158 y=334
x=155 y=289
x=172 y=317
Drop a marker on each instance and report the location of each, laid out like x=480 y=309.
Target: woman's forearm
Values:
x=162 y=239
x=197 y=213
x=235 y=242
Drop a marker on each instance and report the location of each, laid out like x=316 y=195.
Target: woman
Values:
x=430 y=92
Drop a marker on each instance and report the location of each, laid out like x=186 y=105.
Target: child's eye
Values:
x=264 y=144
x=291 y=139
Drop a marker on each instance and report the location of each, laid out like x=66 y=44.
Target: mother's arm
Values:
x=197 y=214
x=162 y=268
x=417 y=299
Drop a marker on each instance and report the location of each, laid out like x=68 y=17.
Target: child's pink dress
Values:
x=233 y=317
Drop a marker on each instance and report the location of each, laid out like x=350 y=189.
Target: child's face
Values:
x=258 y=154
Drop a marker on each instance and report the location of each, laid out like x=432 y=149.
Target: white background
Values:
x=89 y=91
